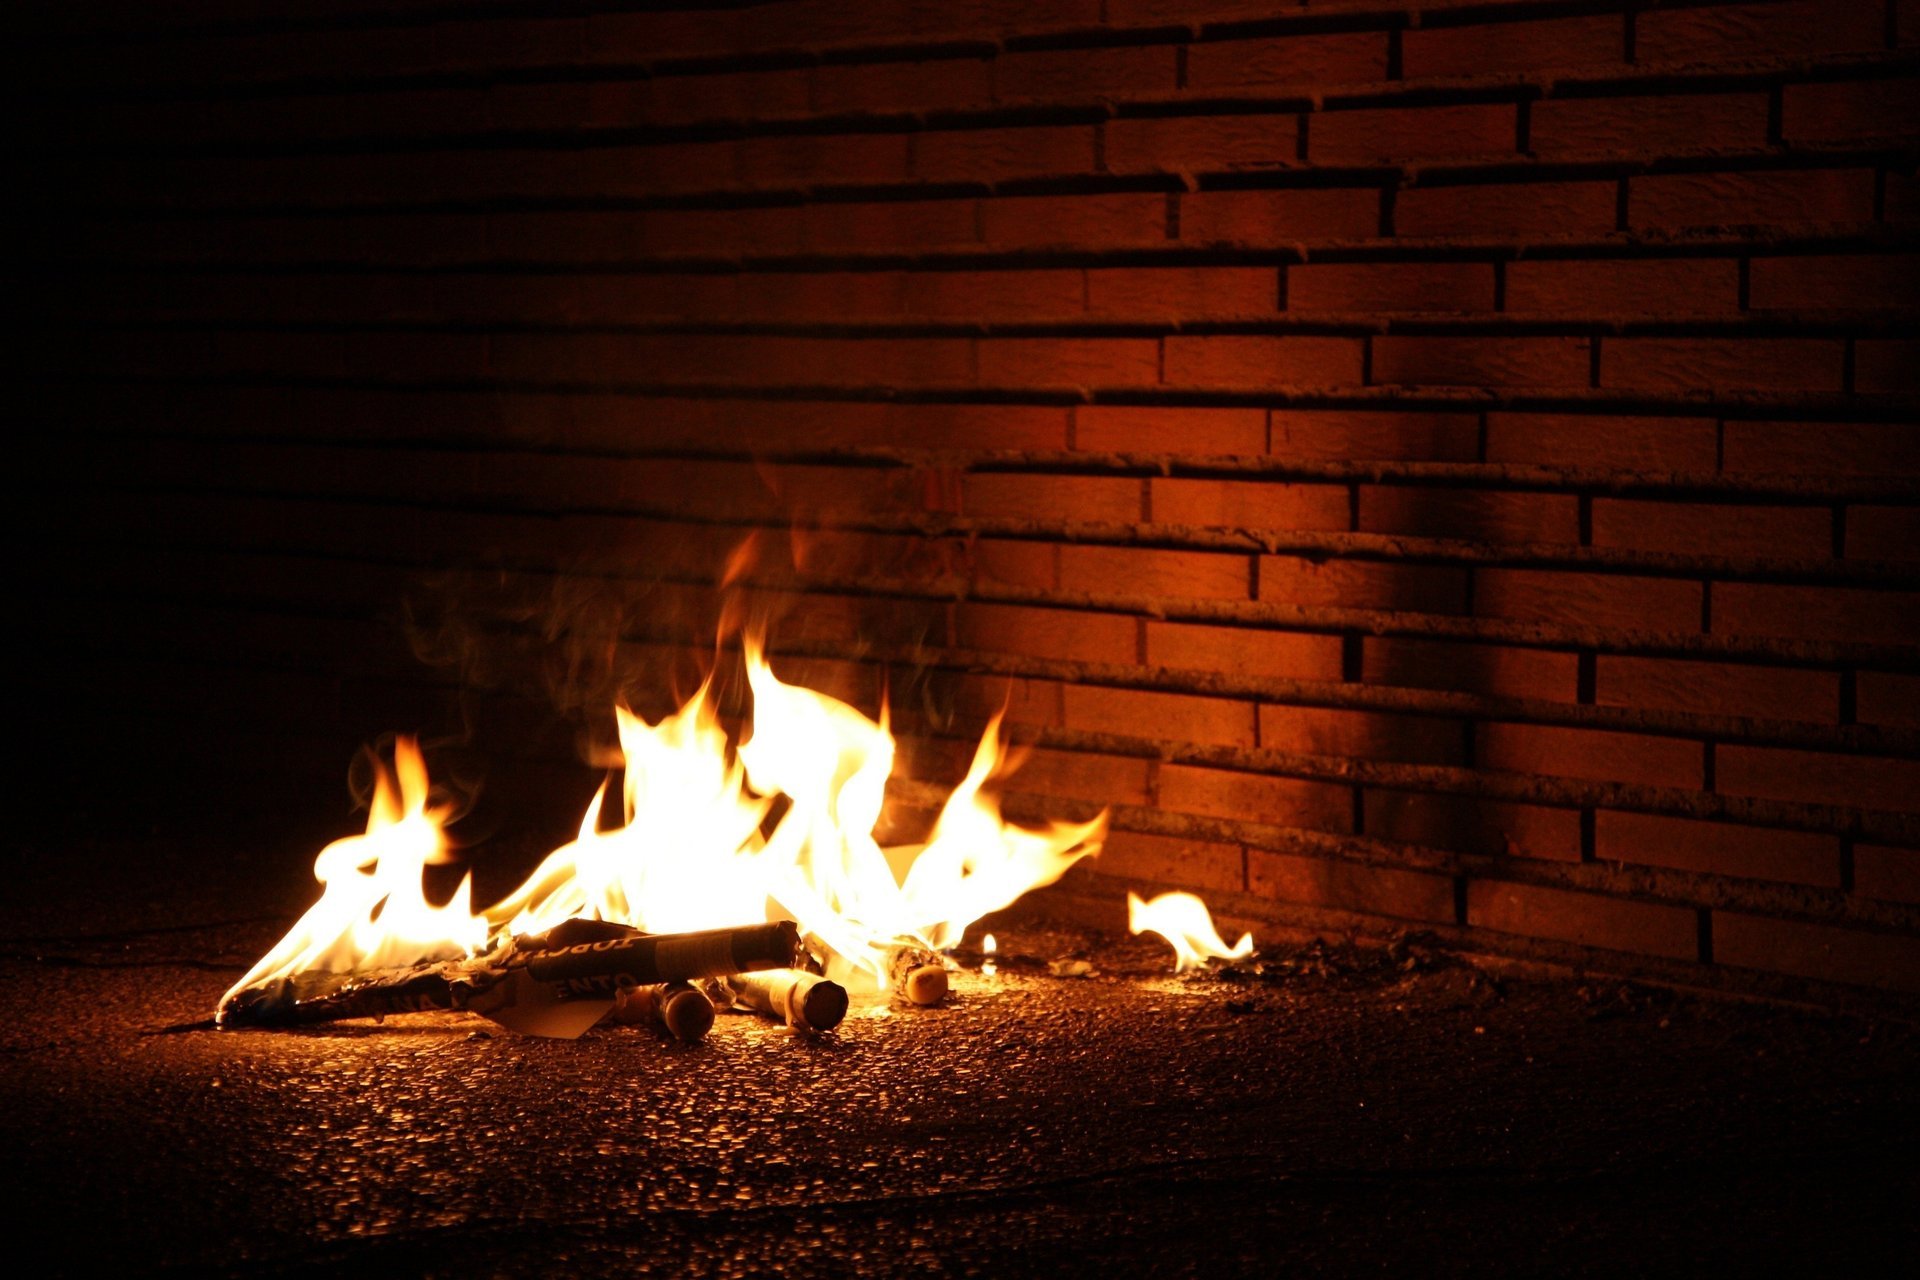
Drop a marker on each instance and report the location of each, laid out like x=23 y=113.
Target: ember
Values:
x=600 y=928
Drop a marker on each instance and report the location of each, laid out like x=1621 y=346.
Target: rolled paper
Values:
x=602 y=968
x=916 y=975
x=804 y=1001
x=677 y=1007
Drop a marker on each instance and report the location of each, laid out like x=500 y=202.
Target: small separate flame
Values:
x=373 y=912
x=1184 y=921
x=693 y=851
x=987 y=949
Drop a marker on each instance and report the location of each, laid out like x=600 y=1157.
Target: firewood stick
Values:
x=916 y=975
x=585 y=971
x=804 y=1001
x=684 y=1012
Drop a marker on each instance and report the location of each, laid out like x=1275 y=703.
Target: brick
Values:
x=707 y=97
x=1886 y=365
x=1706 y=528
x=1229 y=360
x=994 y=495
x=1253 y=797
x=1410 y=133
x=1850 y=110
x=1821 y=448
x=988 y=295
x=1519 y=209
x=1886 y=873
x=825 y=295
x=1390 y=286
x=1612 y=443
x=1351 y=886
x=1348 y=434
x=1900 y=200
x=961 y=155
x=1831 y=953
x=918 y=224
x=1672 y=201
x=1710 y=688
x=1172 y=574
x=1718 y=849
x=1658 y=286
x=1597 y=754
x=1475 y=514
x=1681 y=121
x=1069 y=361
x=1243 y=651
x=1355 y=584
x=1265 y=217
x=1481 y=362
x=1834 y=281
x=1888 y=698
x=1183 y=290
x=1366 y=735
x=1466 y=824
x=1115 y=219
x=1248 y=504
x=875 y=157
x=1588 y=599
x=1024 y=564
x=927 y=84
x=1076 y=775
x=1151 y=430
x=1470 y=668
x=1509 y=47
x=1797 y=30
x=1817 y=777
x=1192 y=144
x=1815 y=613
x=1190 y=864
x=1585 y=919
x=1024 y=702
x=1045 y=633
x=1675 y=364
x=1287 y=60
x=1084 y=73
x=1159 y=716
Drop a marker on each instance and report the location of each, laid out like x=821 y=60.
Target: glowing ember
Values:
x=693 y=851
x=1184 y=921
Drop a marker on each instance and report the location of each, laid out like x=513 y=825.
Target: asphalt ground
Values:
x=1328 y=1111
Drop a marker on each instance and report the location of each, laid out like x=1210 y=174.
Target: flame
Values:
x=1183 y=920
x=694 y=850
x=373 y=912
x=988 y=949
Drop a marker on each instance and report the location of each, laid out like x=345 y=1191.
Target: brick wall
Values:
x=1441 y=466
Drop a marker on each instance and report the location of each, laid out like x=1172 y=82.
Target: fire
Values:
x=374 y=912
x=694 y=850
x=1184 y=921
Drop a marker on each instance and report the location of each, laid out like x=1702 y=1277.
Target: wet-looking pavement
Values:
x=1329 y=1111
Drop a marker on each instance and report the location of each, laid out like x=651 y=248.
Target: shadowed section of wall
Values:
x=1427 y=466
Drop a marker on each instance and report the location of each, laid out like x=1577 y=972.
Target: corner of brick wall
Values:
x=1424 y=466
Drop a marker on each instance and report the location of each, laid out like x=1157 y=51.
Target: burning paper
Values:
x=693 y=852
x=1184 y=921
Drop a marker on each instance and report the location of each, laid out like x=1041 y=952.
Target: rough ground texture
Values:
x=1320 y=1111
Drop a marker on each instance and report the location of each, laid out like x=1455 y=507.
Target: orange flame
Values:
x=692 y=851
x=1184 y=921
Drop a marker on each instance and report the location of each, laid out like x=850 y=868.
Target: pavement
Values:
x=1320 y=1111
